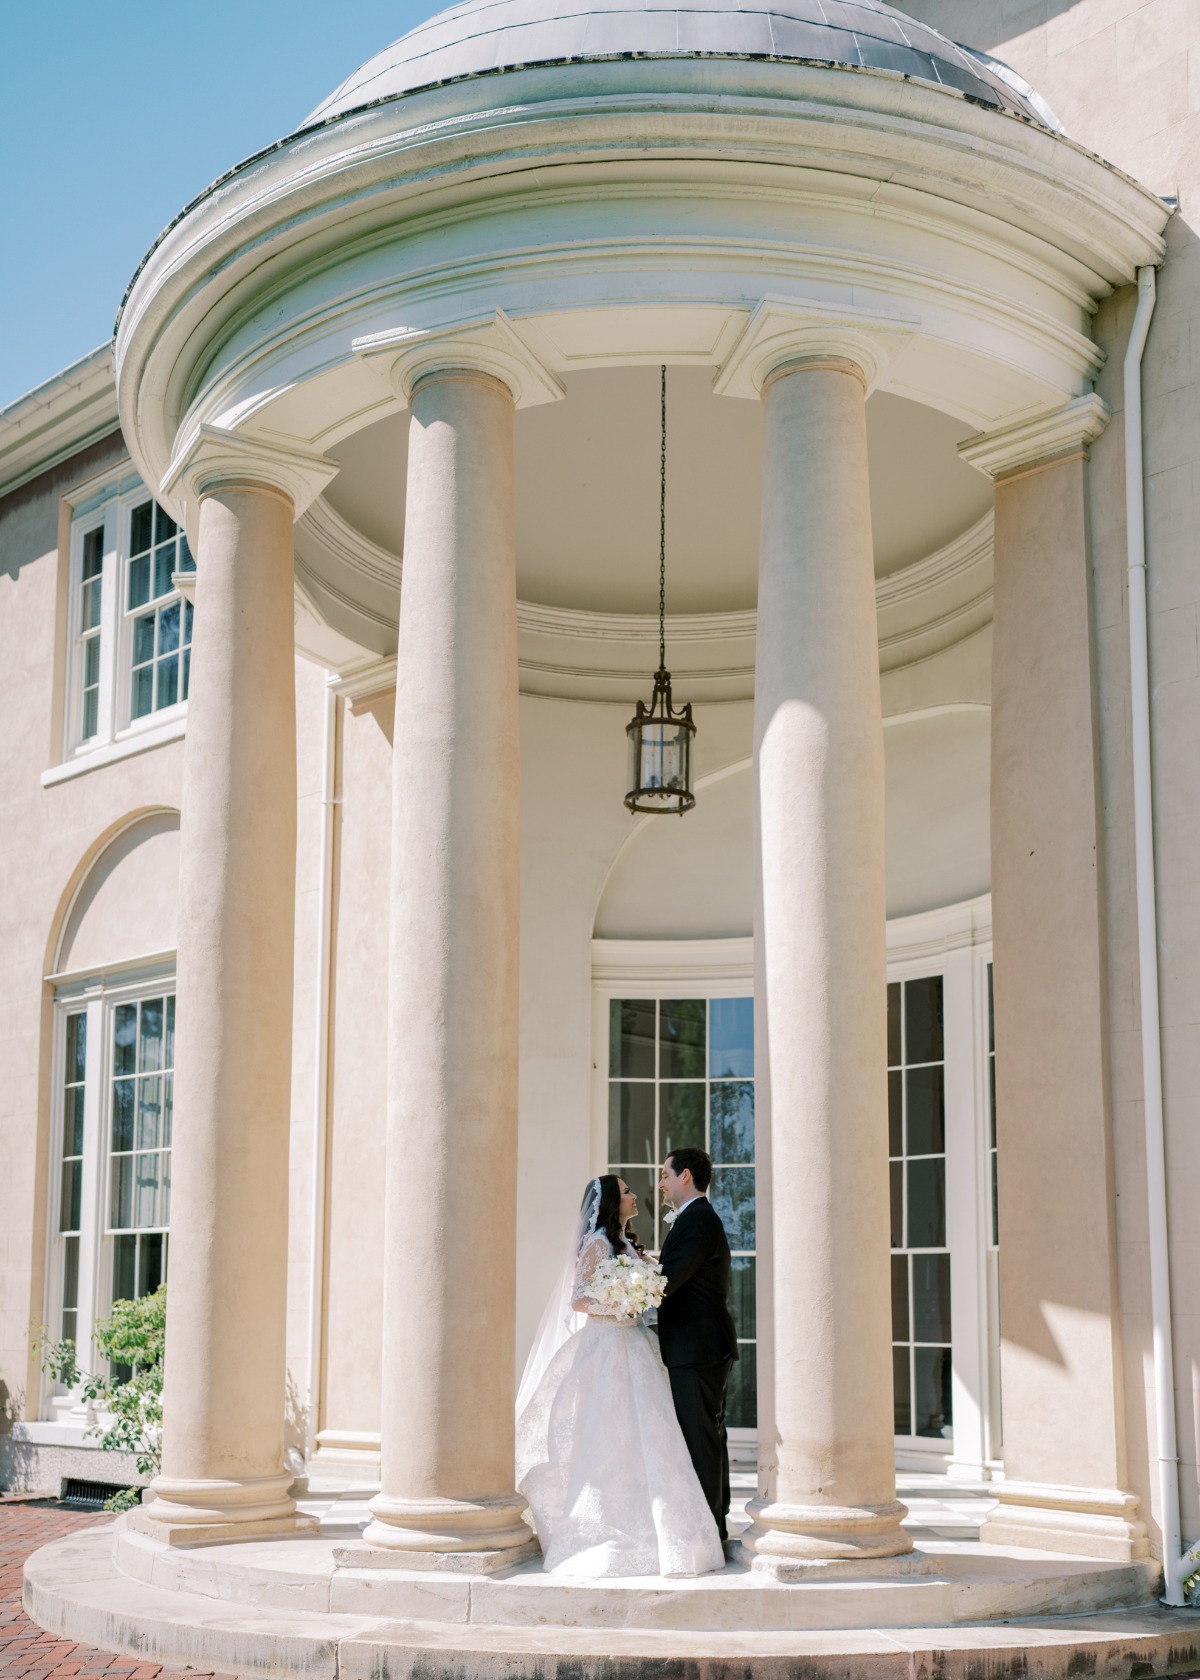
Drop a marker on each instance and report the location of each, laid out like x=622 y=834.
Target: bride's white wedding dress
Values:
x=600 y=1456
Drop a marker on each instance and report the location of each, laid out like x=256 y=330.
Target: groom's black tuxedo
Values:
x=698 y=1342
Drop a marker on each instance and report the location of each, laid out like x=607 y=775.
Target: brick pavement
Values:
x=28 y=1652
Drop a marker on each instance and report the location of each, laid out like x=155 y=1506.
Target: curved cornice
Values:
x=923 y=609
x=308 y=208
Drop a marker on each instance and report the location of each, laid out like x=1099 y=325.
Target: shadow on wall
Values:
x=986 y=24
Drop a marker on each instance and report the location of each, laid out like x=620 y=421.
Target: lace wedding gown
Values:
x=600 y=1456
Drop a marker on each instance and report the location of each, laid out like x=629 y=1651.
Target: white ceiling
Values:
x=587 y=490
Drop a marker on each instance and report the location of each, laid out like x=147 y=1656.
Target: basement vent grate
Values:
x=82 y=1495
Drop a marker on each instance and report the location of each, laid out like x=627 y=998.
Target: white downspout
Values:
x=316 y=1292
x=1175 y=1567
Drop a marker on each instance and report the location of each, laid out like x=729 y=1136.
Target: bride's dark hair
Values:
x=608 y=1215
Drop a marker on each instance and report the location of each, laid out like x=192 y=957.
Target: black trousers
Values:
x=699 y=1395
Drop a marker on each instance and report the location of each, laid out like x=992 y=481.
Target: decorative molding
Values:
x=361 y=682
x=781 y=330
x=649 y=964
x=58 y=419
x=1046 y=438
x=128 y=745
x=930 y=934
x=322 y=521
x=211 y=456
x=487 y=344
x=962 y=554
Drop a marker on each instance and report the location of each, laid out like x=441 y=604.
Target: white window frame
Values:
x=658 y=968
x=955 y=943
x=96 y=995
x=110 y=504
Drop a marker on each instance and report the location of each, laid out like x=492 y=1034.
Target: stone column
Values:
x=827 y=1468
x=223 y=1473
x=1065 y=1472
x=450 y=1220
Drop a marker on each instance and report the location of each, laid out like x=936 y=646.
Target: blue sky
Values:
x=114 y=113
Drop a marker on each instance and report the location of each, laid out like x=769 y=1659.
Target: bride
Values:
x=600 y=1456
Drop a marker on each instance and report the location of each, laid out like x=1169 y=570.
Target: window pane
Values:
x=991 y=1011
x=142 y=703
x=631 y=1038
x=122 y=1114
x=76 y=1048
x=923 y=1019
x=149 y=1104
x=741 y=1397
x=145 y=1208
x=895 y=1113
x=150 y=1044
x=932 y=1399
x=93 y=552
x=742 y=1294
x=150 y=1263
x=926 y=1111
x=682 y=1117
x=731 y=1121
x=89 y=605
x=168 y=628
x=168 y=1102
x=732 y=1194
x=631 y=1123
x=893 y=1024
x=926 y=1204
x=897 y=1189
x=900 y=1297
x=681 y=1043
x=143 y=639
x=164 y=1189
x=69 y=1200
x=91 y=714
x=139 y=582
x=185 y=674
x=124 y=1268
x=901 y=1387
x=731 y=1038
x=164 y=525
x=122 y=1192
x=141 y=527
x=169 y=1049
x=187 y=562
x=991 y=1102
x=188 y=615
x=73 y=1120
x=91 y=662
x=168 y=681
x=931 y=1297
x=70 y=1286
x=164 y=565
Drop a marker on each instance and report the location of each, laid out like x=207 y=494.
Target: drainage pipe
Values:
x=1175 y=1567
x=316 y=1294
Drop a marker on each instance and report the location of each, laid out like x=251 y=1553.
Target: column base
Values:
x=1086 y=1522
x=436 y=1533
x=804 y=1534
x=365 y=1556
x=204 y=1512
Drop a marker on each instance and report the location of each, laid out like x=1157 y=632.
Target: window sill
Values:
x=126 y=746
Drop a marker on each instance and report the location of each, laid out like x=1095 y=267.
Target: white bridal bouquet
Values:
x=627 y=1286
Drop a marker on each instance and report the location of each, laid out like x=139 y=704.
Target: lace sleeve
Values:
x=590 y=1255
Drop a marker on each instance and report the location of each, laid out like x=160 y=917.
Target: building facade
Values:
x=894 y=289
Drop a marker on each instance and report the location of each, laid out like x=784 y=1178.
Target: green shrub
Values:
x=131 y=1338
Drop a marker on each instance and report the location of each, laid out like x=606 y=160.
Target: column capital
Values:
x=214 y=458
x=1060 y=435
x=782 y=330
x=487 y=344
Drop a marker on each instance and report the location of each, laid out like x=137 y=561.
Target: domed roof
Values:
x=480 y=37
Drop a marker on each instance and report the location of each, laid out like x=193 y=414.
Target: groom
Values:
x=695 y=1327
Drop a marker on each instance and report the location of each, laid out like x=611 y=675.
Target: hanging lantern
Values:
x=660 y=738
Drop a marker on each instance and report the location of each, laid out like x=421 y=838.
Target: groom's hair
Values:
x=694 y=1161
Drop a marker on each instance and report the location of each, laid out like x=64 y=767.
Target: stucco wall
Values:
x=1123 y=76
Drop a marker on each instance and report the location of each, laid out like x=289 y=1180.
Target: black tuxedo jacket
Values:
x=695 y=1325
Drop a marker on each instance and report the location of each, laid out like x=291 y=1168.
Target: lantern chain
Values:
x=662 y=533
